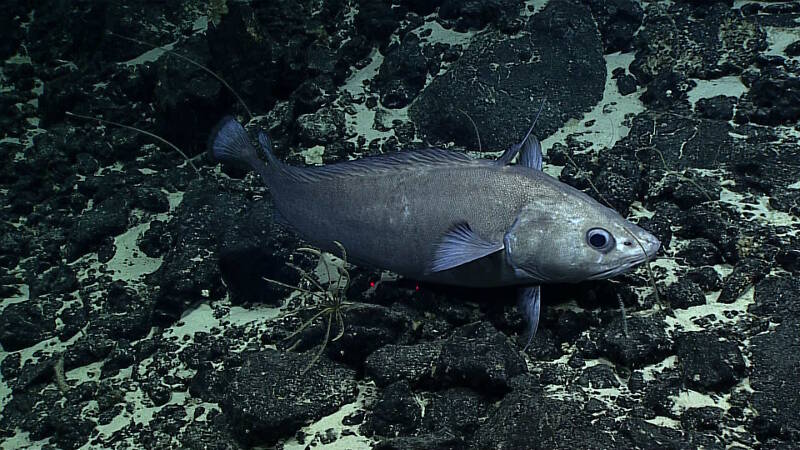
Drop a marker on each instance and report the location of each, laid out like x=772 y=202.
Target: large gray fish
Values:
x=440 y=216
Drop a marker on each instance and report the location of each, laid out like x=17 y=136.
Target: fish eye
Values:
x=600 y=239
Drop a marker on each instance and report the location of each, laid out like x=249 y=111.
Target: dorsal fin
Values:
x=512 y=151
x=392 y=162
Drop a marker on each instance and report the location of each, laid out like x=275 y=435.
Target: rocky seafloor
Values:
x=134 y=312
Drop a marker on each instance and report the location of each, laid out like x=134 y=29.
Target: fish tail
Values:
x=230 y=144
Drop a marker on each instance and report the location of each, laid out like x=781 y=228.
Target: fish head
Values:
x=575 y=239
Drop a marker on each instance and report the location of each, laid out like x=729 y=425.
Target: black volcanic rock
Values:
x=475 y=14
x=647 y=341
x=403 y=73
x=618 y=20
x=492 y=81
x=24 y=324
x=703 y=42
x=685 y=293
x=709 y=364
x=260 y=400
x=746 y=273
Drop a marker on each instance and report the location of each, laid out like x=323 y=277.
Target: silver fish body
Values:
x=440 y=216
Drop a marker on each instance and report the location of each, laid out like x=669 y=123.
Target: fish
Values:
x=440 y=216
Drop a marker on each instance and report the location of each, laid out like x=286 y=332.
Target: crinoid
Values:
x=329 y=296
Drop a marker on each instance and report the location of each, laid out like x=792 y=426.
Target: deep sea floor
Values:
x=134 y=313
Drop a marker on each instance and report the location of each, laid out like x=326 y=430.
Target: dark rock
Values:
x=706 y=277
x=718 y=225
x=313 y=94
x=14 y=244
x=775 y=101
x=556 y=374
x=248 y=244
x=475 y=14
x=745 y=274
x=11 y=29
x=526 y=418
x=376 y=20
x=702 y=418
x=442 y=440
x=402 y=74
x=260 y=400
x=700 y=252
x=709 y=364
x=279 y=120
x=792 y=49
x=86 y=164
x=105 y=220
x=642 y=434
x=751 y=9
x=156 y=240
x=701 y=43
x=570 y=325
x=668 y=91
x=325 y=126
x=599 y=376
x=123 y=314
x=321 y=58
x=777 y=297
x=661 y=227
x=626 y=84
x=32 y=373
x=203 y=435
x=57 y=280
x=459 y=409
x=497 y=67
x=478 y=356
x=786 y=200
x=618 y=184
x=86 y=350
x=421 y=7
x=396 y=412
x=150 y=199
x=618 y=20
x=775 y=363
x=74 y=318
x=27 y=323
x=719 y=107
x=647 y=341
x=121 y=357
x=410 y=363
x=10 y=367
x=367 y=328
x=188 y=99
x=685 y=293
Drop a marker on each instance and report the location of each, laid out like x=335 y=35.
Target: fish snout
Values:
x=651 y=245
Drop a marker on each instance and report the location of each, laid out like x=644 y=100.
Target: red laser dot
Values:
x=416 y=288
x=371 y=284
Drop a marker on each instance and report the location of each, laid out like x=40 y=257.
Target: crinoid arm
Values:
x=328 y=297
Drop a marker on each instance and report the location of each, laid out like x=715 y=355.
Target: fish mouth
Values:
x=617 y=270
x=650 y=247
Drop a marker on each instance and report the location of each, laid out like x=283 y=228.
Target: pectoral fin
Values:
x=530 y=303
x=461 y=245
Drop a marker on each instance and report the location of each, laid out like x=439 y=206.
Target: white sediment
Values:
x=731 y=86
x=604 y=125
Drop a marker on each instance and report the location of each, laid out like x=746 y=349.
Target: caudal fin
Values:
x=230 y=144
